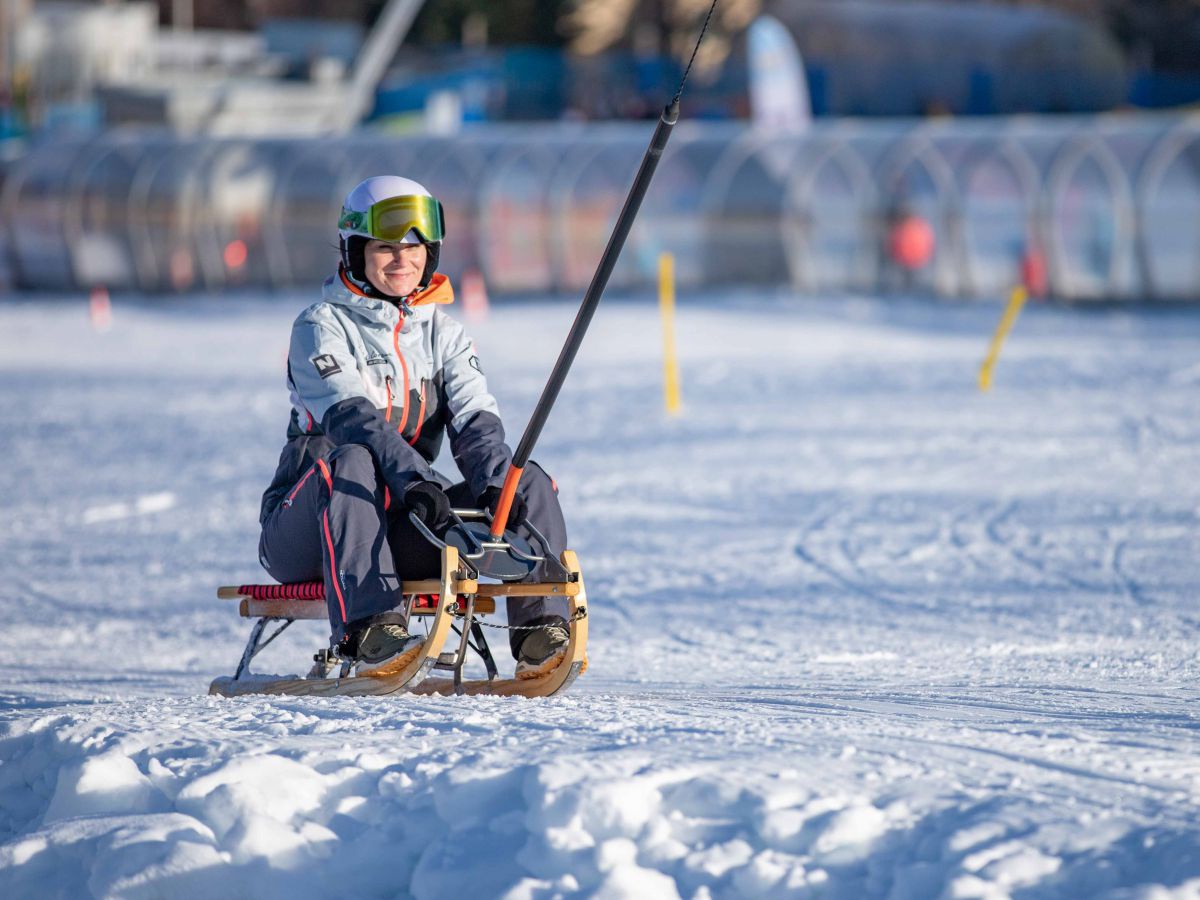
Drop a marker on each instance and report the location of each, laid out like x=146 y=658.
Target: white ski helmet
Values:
x=393 y=209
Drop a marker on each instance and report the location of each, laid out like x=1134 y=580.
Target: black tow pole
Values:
x=591 y=299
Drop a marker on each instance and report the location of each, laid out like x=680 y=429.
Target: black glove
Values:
x=517 y=513
x=430 y=503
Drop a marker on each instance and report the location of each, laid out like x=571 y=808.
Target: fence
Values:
x=1109 y=205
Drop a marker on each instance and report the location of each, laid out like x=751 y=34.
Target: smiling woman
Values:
x=378 y=374
x=386 y=212
x=395 y=269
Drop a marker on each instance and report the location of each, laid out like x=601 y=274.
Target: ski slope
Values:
x=857 y=629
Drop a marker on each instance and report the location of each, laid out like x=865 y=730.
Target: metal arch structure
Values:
x=562 y=190
x=769 y=152
x=801 y=185
x=72 y=221
x=1163 y=156
x=184 y=189
x=369 y=155
x=10 y=192
x=1011 y=154
x=279 y=262
x=492 y=188
x=582 y=151
x=150 y=276
x=15 y=185
x=471 y=161
x=662 y=225
x=919 y=147
x=1067 y=163
x=7 y=231
x=75 y=221
x=172 y=202
x=232 y=174
x=205 y=241
x=500 y=151
x=145 y=261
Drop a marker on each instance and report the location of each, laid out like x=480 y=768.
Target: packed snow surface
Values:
x=858 y=630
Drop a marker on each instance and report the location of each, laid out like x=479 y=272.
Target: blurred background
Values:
x=947 y=147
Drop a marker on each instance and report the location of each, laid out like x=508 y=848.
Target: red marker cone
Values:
x=1033 y=272
x=100 y=309
x=474 y=295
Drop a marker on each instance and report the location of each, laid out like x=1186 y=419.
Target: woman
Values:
x=377 y=374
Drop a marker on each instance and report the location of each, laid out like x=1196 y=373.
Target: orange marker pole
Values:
x=504 y=504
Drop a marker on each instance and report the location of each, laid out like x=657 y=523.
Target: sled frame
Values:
x=557 y=674
x=256 y=643
x=461 y=599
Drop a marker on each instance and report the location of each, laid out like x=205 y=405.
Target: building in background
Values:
x=308 y=66
x=878 y=58
x=194 y=66
x=168 y=154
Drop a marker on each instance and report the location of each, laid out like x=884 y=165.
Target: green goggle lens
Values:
x=393 y=218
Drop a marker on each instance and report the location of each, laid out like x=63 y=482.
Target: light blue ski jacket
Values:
x=395 y=378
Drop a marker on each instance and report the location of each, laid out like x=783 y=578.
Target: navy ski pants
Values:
x=337 y=524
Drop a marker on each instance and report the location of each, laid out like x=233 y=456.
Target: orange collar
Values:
x=439 y=291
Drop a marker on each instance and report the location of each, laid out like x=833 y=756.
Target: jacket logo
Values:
x=474 y=361
x=326 y=365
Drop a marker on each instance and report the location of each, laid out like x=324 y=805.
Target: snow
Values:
x=858 y=630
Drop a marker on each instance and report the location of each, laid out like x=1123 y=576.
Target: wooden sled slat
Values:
x=414 y=668
x=316 y=609
x=530 y=589
x=425 y=586
x=461 y=586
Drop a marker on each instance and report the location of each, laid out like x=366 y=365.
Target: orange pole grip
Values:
x=504 y=504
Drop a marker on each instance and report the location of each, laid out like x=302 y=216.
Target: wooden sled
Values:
x=453 y=602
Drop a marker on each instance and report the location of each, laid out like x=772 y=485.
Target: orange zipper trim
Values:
x=333 y=566
x=387 y=383
x=404 y=370
x=299 y=484
x=420 y=415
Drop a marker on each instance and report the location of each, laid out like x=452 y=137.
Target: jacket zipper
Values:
x=420 y=414
x=299 y=484
x=404 y=370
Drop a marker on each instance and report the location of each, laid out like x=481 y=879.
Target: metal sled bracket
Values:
x=510 y=559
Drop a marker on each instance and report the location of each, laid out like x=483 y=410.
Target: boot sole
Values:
x=526 y=671
x=389 y=666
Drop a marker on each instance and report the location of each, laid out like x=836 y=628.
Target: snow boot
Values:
x=380 y=650
x=542 y=650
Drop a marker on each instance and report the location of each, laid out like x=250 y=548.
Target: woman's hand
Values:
x=517 y=513
x=430 y=503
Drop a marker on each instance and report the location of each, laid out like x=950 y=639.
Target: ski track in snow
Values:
x=857 y=629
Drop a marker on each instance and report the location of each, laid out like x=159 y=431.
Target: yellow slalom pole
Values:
x=1015 y=301
x=666 y=306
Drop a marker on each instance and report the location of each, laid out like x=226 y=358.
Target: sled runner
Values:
x=452 y=603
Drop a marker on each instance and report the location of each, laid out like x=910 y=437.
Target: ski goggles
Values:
x=392 y=219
